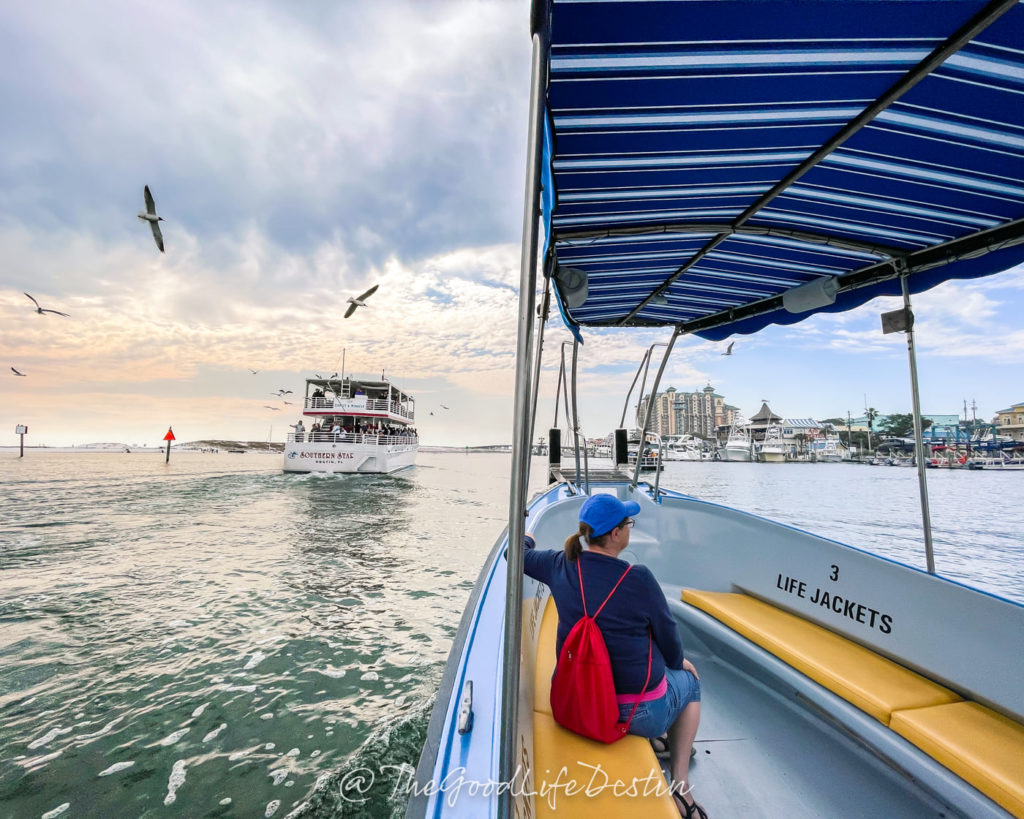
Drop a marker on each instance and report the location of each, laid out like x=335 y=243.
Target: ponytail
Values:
x=574 y=543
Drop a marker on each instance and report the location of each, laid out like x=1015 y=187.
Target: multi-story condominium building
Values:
x=688 y=413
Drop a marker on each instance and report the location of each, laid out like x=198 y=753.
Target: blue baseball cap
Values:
x=602 y=513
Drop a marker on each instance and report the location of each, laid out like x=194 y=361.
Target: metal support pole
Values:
x=926 y=517
x=511 y=652
x=576 y=426
x=542 y=317
x=625 y=406
x=650 y=404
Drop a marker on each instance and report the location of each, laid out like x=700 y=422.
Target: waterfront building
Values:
x=697 y=413
x=1011 y=421
x=798 y=433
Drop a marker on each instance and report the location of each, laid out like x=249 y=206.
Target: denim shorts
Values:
x=653 y=718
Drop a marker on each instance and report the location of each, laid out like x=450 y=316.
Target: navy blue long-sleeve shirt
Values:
x=637 y=605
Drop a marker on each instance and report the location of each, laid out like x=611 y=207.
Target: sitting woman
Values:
x=636 y=625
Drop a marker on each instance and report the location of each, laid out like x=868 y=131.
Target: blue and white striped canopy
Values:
x=704 y=158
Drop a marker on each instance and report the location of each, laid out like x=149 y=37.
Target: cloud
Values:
x=385 y=124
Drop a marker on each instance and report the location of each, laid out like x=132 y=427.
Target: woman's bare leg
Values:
x=681 y=734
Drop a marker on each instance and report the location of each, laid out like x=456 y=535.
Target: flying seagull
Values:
x=289 y=403
x=41 y=310
x=728 y=350
x=444 y=407
x=17 y=373
x=275 y=409
x=282 y=392
x=154 y=220
x=360 y=301
x=253 y=371
x=332 y=375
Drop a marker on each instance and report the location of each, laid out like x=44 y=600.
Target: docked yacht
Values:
x=772 y=450
x=355 y=425
x=738 y=447
x=682 y=448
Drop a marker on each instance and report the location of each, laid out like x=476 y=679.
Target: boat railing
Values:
x=350 y=438
x=348 y=404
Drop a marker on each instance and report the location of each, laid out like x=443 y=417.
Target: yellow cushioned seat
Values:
x=623 y=779
x=975 y=742
x=860 y=676
x=546 y=658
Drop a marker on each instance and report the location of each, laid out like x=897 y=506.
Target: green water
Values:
x=176 y=636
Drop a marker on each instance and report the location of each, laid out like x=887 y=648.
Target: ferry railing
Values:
x=349 y=438
x=375 y=404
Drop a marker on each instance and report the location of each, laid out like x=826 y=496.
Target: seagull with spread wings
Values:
x=728 y=350
x=275 y=409
x=360 y=301
x=17 y=373
x=42 y=310
x=253 y=371
x=154 y=221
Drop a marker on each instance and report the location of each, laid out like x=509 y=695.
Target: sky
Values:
x=301 y=153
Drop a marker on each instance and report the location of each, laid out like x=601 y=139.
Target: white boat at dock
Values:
x=772 y=450
x=714 y=169
x=1002 y=462
x=355 y=426
x=681 y=448
x=738 y=446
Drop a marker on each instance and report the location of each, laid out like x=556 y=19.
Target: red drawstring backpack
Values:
x=582 y=689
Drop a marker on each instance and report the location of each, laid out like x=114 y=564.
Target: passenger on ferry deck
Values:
x=336 y=429
x=314 y=431
x=635 y=621
x=300 y=431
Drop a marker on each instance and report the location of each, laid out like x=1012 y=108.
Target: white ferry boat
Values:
x=354 y=425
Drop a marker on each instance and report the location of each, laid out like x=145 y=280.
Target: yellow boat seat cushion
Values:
x=623 y=779
x=858 y=675
x=546 y=658
x=975 y=742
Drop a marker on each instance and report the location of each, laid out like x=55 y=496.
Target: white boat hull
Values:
x=735 y=454
x=773 y=457
x=349 y=458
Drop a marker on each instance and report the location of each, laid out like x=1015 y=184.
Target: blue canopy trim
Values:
x=704 y=158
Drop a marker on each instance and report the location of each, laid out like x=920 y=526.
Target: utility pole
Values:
x=849 y=432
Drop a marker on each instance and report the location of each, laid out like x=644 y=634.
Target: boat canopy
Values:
x=349 y=386
x=792 y=158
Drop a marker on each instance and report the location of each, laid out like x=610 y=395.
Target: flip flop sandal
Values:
x=662 y=749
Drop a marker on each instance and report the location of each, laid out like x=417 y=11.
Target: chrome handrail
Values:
x=650 y=404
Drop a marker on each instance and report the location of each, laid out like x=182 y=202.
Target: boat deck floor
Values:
x=569 y=474
x=760 y=754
